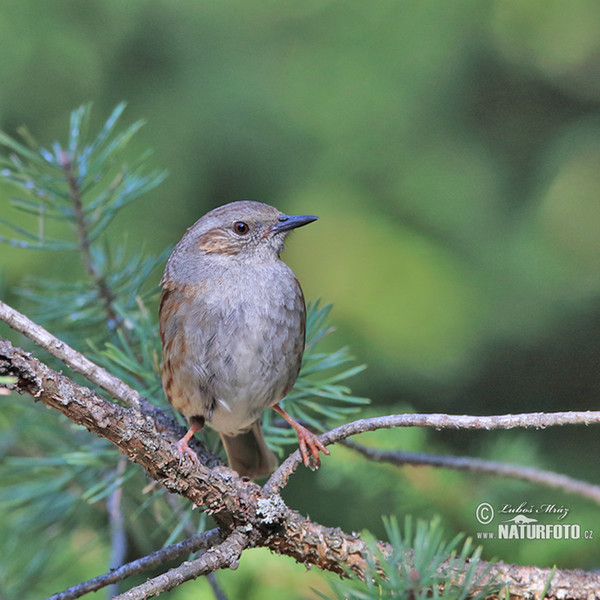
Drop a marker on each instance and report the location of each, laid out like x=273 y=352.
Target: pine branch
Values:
x=100 y=377
x=83 y=184
x=438 y=421
x=237 y=504
x=223 y=556
x=200 y=541
x=479 y=465
x=105 y=293
x=75 y=360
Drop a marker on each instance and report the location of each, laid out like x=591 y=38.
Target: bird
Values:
x=232 y=325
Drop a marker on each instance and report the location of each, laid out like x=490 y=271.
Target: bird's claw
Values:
x=182 y=450
x=309 y=441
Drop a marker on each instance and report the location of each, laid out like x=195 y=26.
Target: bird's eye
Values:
x=241 y=228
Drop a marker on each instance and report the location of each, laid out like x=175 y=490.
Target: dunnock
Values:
x=232 y=325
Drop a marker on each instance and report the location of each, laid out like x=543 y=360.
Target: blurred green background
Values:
x=452 y=152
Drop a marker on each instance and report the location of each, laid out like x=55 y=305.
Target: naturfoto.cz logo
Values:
x=524 y=526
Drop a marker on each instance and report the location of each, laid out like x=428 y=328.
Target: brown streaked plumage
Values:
x=232 y=325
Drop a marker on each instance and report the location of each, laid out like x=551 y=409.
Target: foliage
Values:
x=81 y=185
x=77 y=188
x=420 y=566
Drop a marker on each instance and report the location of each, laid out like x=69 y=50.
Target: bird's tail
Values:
x=249 y=454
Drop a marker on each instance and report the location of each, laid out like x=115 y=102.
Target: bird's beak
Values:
x=287 y=222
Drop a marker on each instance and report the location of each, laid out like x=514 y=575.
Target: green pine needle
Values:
x=421 y=566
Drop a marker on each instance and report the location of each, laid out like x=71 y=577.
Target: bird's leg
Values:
x=182 y=445
x=305 y=438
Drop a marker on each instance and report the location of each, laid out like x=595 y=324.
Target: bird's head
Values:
x=246 y=230
x=245 y=227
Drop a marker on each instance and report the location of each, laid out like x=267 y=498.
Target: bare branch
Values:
x=193 y=544
x=75 y=360
x=479 y=465
x=439 y=421
x=225 y=555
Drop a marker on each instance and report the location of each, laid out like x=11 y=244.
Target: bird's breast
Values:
x=240 y=334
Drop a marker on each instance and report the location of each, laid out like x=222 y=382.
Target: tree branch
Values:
x=258 y=516
x=104 y=292
x=225 y=555
x=479 y=465
x=75 y=360
x=193 y=544
x=439 y=421
x=101 y=377
x=233 y=501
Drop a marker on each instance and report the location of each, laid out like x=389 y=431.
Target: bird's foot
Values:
x=307 y=441
x=182 y=450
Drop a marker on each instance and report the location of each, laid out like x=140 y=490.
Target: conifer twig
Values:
x=104 y=291
x=439 y=421
x=225 y=555
x=99 y=376
x=75 y=360
x=197 y=542
x=479 y=465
